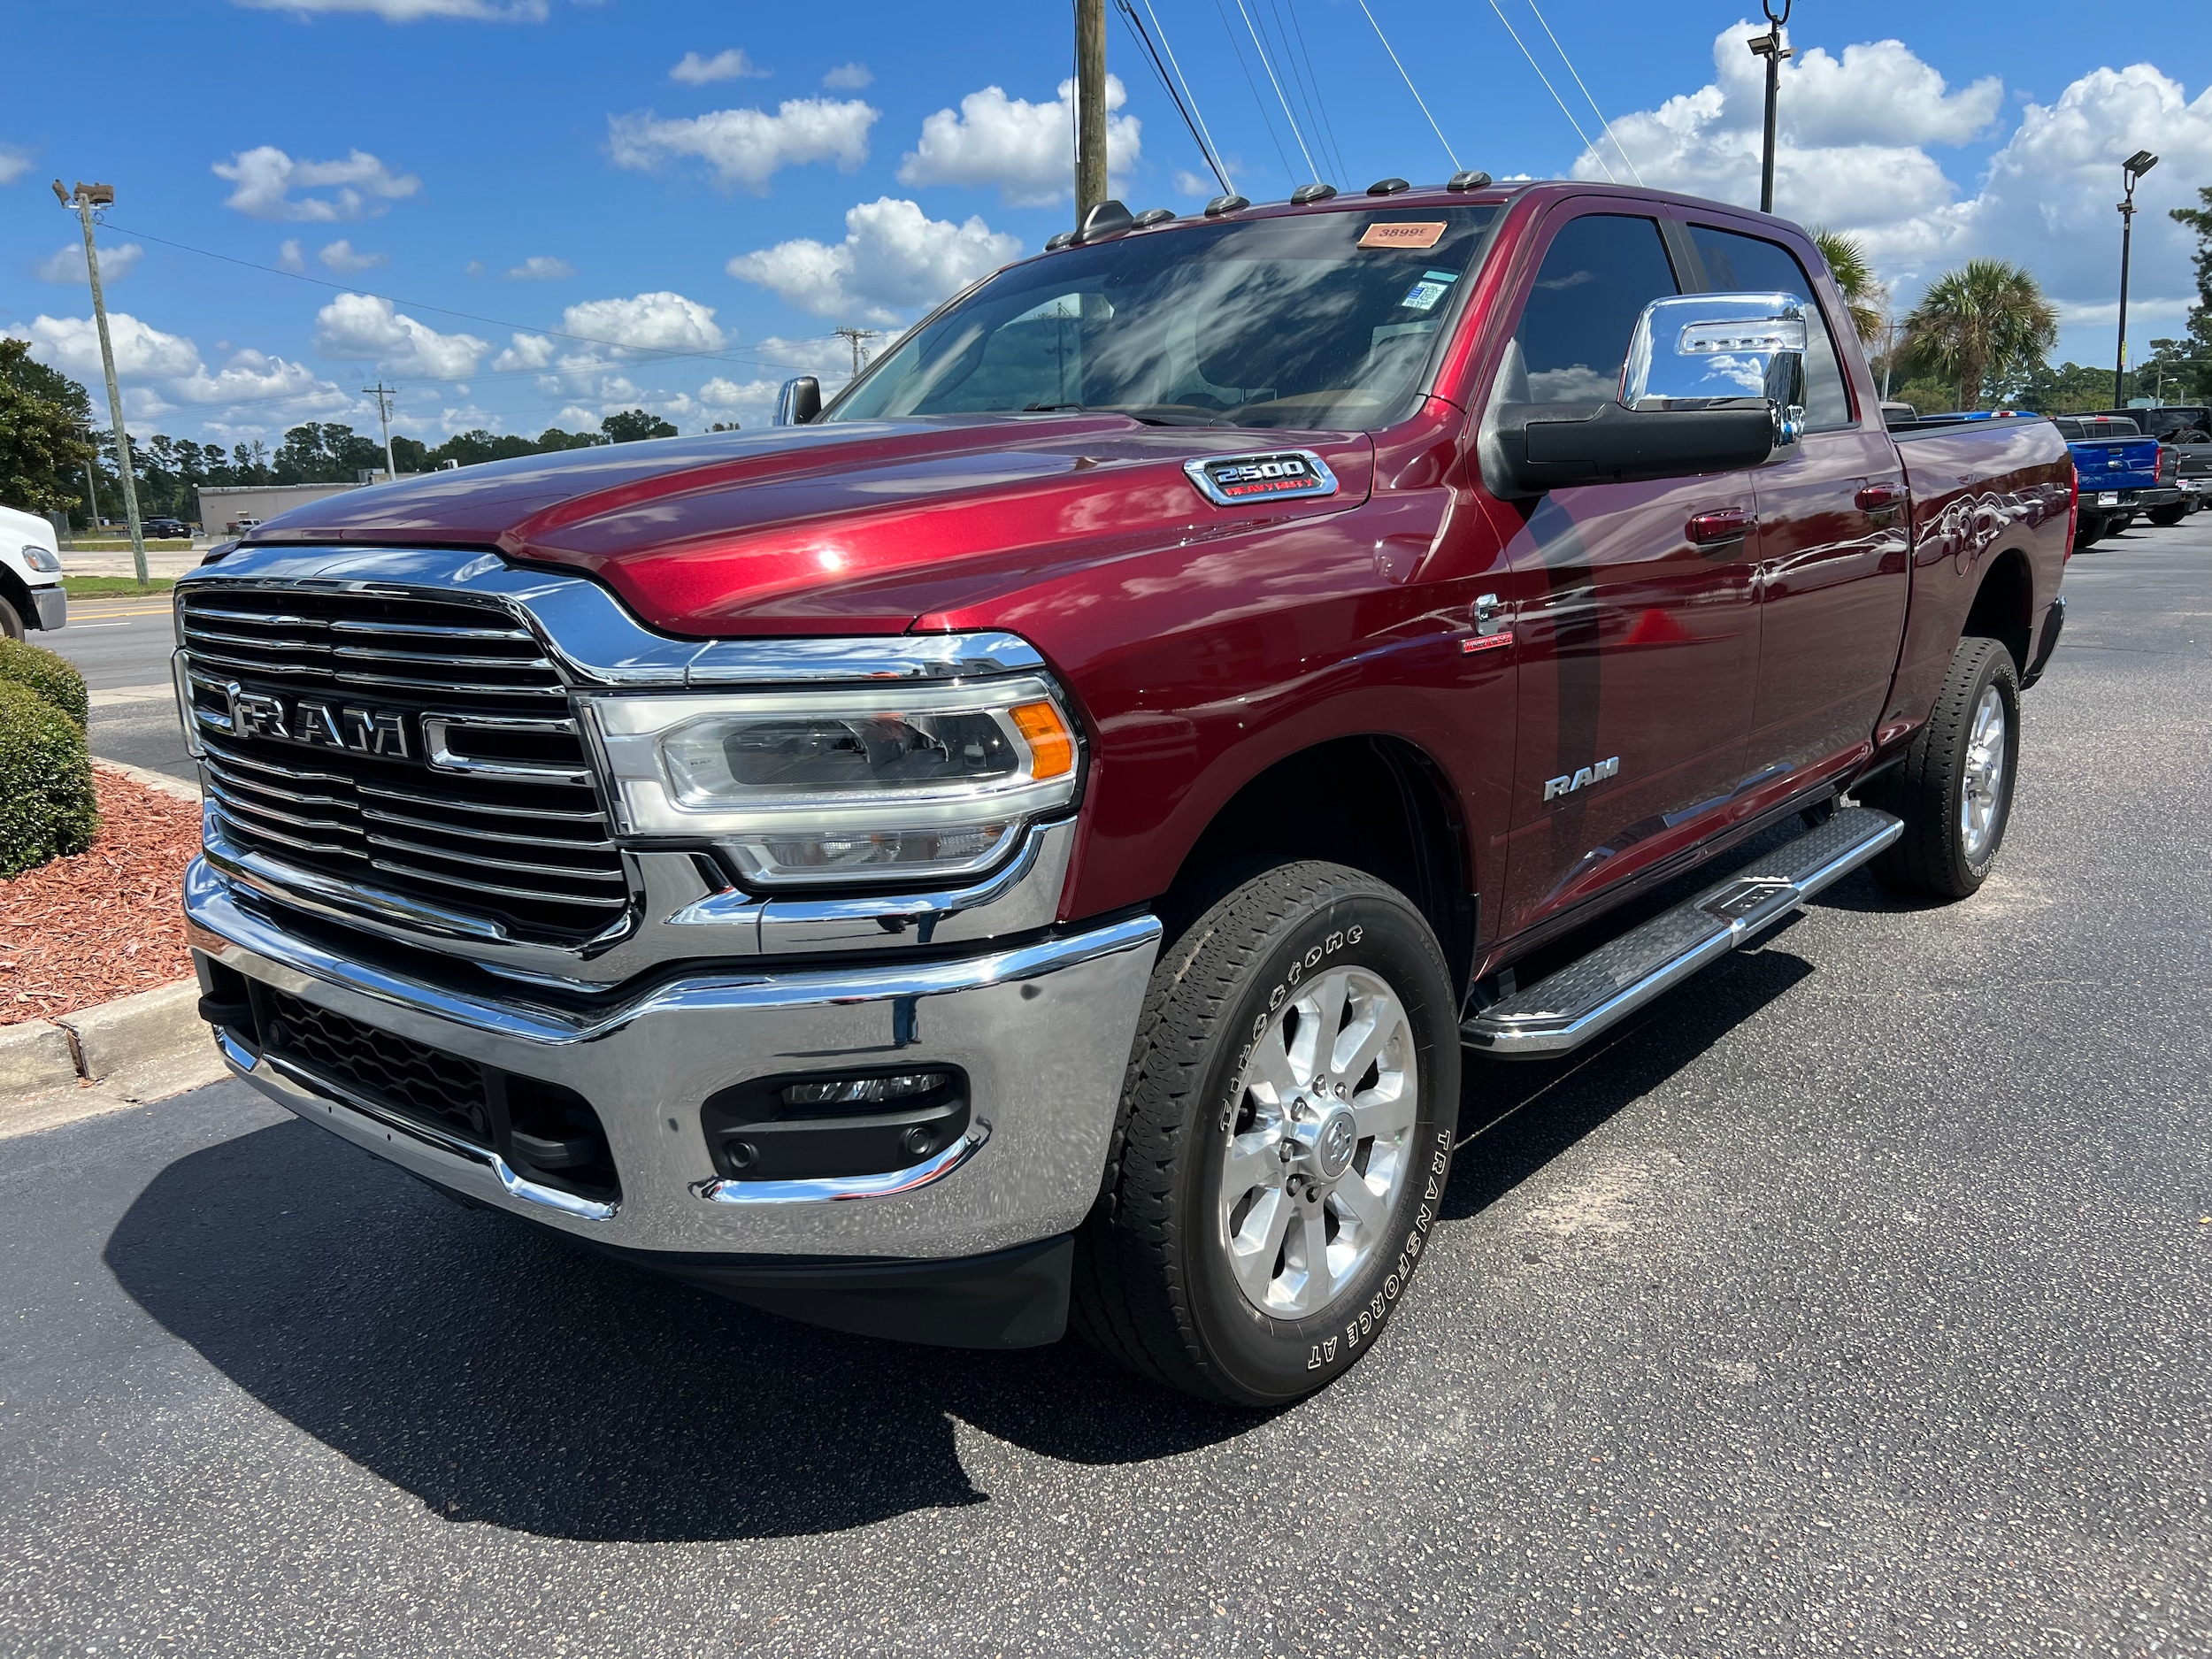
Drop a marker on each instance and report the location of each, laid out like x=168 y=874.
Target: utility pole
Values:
x=87 y=197
x=383 y=394
x=1090 y=106
x=1770 y=46
x=2133 y=168
x=858 y=339
x=92 y=490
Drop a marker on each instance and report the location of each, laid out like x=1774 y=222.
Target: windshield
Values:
x=1323 y=320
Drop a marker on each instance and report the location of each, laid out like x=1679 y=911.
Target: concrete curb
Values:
x=160 y=782
x=137 y=1048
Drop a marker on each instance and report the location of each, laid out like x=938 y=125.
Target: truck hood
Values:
x=861 y=528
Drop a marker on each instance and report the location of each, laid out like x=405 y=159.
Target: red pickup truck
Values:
x=1031 y=842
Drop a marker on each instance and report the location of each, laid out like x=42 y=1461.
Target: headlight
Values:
x=870 y=785
x=45 y=560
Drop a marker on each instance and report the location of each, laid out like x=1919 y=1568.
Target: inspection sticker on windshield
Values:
x=1433 y=286
x=1404 y=233
x=1225 y=480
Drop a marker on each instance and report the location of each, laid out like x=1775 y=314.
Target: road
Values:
x=122 y=647
x=1857 y=1301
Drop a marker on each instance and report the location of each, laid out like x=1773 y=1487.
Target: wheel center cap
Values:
x=1333 y=1145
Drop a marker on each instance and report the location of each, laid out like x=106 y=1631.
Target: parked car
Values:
x=165 y=527
x=31 y=591
x=2118 y=467
x=2192 y=449
x=242 y=526
x=1032 y=842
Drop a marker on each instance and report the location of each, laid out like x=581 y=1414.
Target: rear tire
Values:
x=2088 y=532
x=2168 y=515
x=1955 y=788
x=1284 y=1142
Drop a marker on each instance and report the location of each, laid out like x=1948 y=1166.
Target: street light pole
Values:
x=1770 y=46
x=89 y=196
x=2133 y=168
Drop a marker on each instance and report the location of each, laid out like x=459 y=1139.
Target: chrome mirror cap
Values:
x=1717 y=350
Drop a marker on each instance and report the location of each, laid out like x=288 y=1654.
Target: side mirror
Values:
x=1713 y=382
x=799 y=400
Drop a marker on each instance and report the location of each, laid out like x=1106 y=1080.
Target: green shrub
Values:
x=47 y=806
x=54 y=677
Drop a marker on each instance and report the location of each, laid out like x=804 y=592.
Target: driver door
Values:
x=1637 y=628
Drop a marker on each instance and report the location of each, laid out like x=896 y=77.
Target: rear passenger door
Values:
x=1832 y=543
x=1636 y=645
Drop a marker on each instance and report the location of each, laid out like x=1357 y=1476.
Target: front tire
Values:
x=10 y=622
x=2169 y=516
x=1955 y=788
x=1286 y=1138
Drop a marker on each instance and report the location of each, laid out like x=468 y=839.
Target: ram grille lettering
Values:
x=366 y=731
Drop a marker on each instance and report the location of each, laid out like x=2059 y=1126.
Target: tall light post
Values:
x=1770 y=46
x=2133 y=168
x=89 y=196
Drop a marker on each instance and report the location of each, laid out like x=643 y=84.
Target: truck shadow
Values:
x=1516 y=1115
x=502 y=1378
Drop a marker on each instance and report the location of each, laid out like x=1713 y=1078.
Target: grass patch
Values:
x=112 y=587
x=122 y=544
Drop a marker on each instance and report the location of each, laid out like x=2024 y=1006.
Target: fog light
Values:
x=868 y=1091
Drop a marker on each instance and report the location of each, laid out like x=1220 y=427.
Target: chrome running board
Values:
x=1619 y=977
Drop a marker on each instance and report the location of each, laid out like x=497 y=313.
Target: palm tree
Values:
x=1862 y=293
x=1987 y=318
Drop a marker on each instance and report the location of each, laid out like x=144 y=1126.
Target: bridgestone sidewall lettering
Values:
x=1256 y=1358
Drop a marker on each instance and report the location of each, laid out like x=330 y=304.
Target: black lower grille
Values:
x=426 y=1084
x=546 y=1131
x=406 y=744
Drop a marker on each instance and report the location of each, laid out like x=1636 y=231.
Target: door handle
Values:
x=1880 y=497
x=1724 y=524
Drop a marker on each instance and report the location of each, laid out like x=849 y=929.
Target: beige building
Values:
x=222 y=505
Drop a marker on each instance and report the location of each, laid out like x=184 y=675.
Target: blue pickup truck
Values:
x=2121 y=474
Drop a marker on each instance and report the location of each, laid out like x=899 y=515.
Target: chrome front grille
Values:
x=407 y=745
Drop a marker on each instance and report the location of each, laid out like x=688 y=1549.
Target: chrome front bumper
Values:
x=1042 y=1029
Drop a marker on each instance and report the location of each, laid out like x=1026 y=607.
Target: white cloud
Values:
x=340 y=256
x=14 y=163
x=528 y=351
x=747 y=148
x=894 y=258
x=252 y=376
x=413 y=11
x=72 y=344
x=1853 y=155
x=290 y=256
x=264 y=178
x=732 y=65
x=542 y=267
x=1027 y=151
x=67 y=264
x=849 y=78
x=647 y=322
x=362 y=328
x=474 y=267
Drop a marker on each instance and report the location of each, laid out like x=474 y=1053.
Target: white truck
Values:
x=31 y=593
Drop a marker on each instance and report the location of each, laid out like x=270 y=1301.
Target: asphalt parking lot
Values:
x=1856 y=1301
x=122 y=647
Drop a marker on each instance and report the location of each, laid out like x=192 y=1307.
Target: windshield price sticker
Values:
x=1404 y=233
x=1228 y=478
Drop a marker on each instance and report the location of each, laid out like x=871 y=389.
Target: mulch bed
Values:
x=107 y=922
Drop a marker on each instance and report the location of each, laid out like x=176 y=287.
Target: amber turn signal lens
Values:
x=1051 y=745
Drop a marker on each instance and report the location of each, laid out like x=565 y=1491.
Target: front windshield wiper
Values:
x=1109 y=409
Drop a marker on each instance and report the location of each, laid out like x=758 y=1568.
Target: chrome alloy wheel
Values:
x=1981 y=791
x=1321 y=1143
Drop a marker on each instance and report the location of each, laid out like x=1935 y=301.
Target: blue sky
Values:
x=707 y=191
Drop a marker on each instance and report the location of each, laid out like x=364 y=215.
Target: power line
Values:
x=1259 y=104
x=1556 y=98
x=1314 y=80
x=1311 y=170
x=1206 y=135
x=1417 y=98
x=1576 y=73
x=1136 y=27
